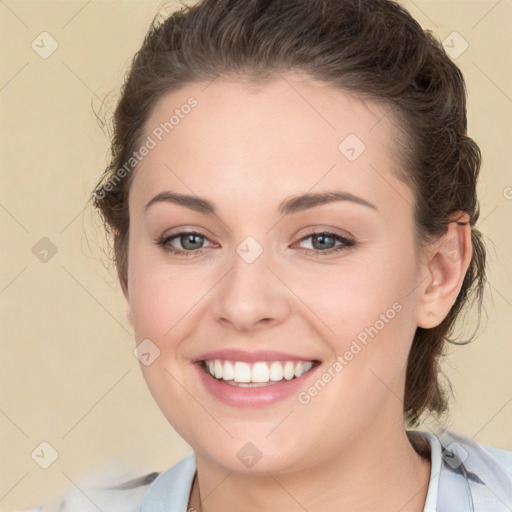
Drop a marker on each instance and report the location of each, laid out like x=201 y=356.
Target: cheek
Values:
x=370 y=321
x=356 y=295
x=365 y=313
x=162 y=296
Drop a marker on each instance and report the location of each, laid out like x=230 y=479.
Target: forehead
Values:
x=287 y=134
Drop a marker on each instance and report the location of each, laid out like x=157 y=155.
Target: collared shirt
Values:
x=465 y=476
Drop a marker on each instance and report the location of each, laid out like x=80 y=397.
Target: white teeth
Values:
x=218 y=369
x=276 y=371
x=260 y=372
x=242 y=372
x=307 y=366
x=228 y=372
x=289 y=370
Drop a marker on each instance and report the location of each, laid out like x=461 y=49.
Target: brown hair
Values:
x=372 y=48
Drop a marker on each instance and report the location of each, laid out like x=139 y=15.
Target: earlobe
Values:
x=447 y=262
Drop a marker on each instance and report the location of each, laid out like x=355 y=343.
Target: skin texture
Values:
x=245 y=148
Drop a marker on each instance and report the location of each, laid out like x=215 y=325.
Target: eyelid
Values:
x=345 y=241
x=182 y=232
x=319 y=229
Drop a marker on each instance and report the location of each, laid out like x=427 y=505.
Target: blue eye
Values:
x=324 y=242
x=193 y=242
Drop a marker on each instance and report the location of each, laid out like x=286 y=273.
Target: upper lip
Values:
x=250 y=357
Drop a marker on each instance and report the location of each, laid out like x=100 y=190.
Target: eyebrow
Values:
x=288 y=206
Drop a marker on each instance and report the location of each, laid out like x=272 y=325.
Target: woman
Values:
x=292 y=200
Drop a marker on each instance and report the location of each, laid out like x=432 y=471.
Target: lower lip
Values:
x=261 y=396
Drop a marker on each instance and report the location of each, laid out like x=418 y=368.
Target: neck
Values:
x=381 y=471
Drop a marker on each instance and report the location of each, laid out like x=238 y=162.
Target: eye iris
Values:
x=322 y=241
x=189 y=238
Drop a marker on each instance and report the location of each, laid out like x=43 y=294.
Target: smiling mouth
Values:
x=258 y=374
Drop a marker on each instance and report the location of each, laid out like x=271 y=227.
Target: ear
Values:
x=446 y=262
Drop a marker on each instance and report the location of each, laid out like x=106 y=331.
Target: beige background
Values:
x=68 y=374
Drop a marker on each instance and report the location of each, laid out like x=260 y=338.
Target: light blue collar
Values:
x=435 y=462
x=171 y=490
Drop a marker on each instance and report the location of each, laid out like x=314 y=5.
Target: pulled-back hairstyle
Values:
x=372 y=48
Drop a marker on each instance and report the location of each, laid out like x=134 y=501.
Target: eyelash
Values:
x=164 y=242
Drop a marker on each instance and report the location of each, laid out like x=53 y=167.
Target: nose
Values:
x=251 y=296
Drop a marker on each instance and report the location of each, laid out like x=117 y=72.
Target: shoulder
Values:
x=102 y=490
x=474 y=475
x=476 y=454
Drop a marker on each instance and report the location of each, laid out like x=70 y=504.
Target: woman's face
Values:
x=275 y=280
